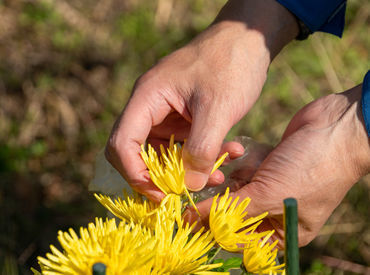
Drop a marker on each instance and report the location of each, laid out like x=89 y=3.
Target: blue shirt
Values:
x=319 y=15
x=365 y=102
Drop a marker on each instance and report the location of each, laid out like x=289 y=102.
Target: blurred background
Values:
x=66 y=72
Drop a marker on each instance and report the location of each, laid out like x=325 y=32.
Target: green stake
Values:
x=99 y=269
x=291 y=236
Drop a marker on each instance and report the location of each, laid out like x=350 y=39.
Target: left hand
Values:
x=323 y=153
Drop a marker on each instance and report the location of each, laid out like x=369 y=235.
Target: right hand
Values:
x=199 y=92
x=324 y=151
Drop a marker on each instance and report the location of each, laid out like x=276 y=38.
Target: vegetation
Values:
x=66 y=71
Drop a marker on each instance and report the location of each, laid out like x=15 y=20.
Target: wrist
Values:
x=267 y=22
x=359 y=143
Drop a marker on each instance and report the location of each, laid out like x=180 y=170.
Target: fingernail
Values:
x=154 y=196
x=238 y=152
x=195 y=180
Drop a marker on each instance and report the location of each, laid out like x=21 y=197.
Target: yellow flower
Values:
x=228 y=224
x=126 y=249
x=133 y=209
x=167 y=171
x=259 y=257
x=138 y=210
x=181 y=252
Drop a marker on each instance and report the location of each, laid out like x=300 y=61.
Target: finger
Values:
x=129 y=133
x=235 y=150
x=216 y=178
x=245 y=168
x=203 y=145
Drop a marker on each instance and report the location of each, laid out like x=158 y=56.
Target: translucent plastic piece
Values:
x=241 y=170
x=107 y=180
x=237 y=173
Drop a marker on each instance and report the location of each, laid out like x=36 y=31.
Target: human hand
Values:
x=200 y=91
x=323 y=152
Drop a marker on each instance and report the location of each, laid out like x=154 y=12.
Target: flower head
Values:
x=228 y=223
x=126 y=249
x=138 y=210
x=133 y=209
x=167 y=171
x=259 y=257
x=181 y=252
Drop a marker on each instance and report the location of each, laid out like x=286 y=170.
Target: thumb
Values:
x=204 y=143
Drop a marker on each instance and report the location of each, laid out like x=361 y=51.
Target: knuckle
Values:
x=202 y=99
x=200 y=155
x=110 y=150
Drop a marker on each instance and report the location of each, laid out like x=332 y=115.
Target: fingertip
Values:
x=154 y=196
x=202 y=146
x=194 y=180
x=216 y=178
x=235 y=149
x=147 y=188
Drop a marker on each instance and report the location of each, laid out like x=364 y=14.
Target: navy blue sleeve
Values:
x=365 y=101
x=319 y=15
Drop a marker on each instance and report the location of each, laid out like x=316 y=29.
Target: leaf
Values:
x=231 y=263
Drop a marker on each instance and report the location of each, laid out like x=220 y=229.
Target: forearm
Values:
x=265 y=23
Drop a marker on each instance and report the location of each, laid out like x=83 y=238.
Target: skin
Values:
x=323 y=153
x=201 y=90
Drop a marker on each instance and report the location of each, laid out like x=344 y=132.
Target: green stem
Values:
x=214 y=255
x=291 y=236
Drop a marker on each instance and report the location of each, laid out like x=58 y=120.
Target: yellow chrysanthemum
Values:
x=167 y=171
x=138 y=210
x=180 y=252
x=133 y=209
x=126 y=249
x=260 y=257
x=228 y=224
